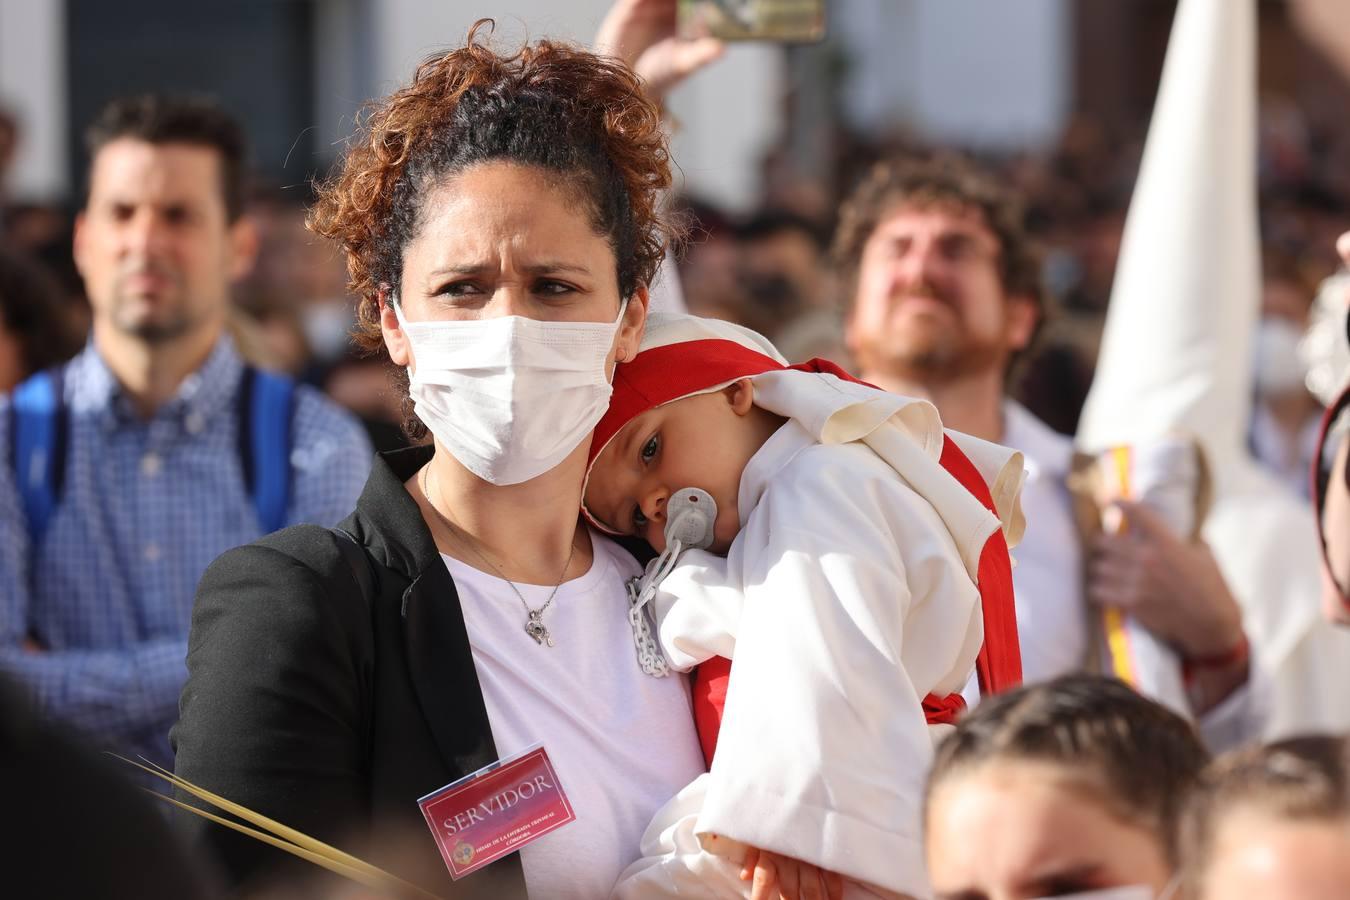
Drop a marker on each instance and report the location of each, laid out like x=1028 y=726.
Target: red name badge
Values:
x=495 y=811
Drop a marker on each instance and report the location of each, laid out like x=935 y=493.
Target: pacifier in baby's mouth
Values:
x=690 y=516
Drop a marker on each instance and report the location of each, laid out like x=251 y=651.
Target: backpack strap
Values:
x=39 y=428
x=265 y=413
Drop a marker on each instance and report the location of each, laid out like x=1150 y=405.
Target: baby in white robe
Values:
x=844 y=577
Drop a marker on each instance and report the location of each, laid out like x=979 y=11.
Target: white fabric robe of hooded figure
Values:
x=1176 y=356
x=848 y=596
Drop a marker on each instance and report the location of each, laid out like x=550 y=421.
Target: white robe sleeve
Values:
x=856 y=605
x=674 y=865
x=698 y=609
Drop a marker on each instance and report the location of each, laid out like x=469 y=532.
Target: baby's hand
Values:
x=776 y=876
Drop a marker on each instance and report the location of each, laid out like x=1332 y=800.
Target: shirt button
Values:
x=193 y=423
x=151 y=463
x=151 y=553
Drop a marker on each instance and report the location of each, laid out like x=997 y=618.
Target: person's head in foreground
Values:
x=942 y=278
x=1272 y=823
x=523 y=190
x=682 y=415
x=1058 y=789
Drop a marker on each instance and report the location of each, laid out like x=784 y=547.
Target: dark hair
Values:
x=9 y=129
x=35 y=311
x=581 y=117
x=1302 y=779
x=945 y=180
x=162 y=119
x=1137 y=757
x=769 y=223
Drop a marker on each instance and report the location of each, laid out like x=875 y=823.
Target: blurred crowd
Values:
x=1100 y=772
x=291 y=312
x=771 y=269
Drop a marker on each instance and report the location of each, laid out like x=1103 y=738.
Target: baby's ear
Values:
x=741 y=395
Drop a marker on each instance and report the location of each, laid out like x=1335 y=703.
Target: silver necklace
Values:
x=534 y=618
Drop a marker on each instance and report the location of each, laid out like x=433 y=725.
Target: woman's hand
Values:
x=642 y=34
x=782 y=877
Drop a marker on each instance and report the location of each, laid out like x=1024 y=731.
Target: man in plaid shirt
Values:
x=94 y=609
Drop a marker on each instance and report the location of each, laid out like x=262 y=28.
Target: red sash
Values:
x=999 y=665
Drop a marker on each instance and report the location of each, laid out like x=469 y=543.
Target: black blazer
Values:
x=331 y=714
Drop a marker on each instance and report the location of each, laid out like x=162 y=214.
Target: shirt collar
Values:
x=1046 y=451
x=202 y=395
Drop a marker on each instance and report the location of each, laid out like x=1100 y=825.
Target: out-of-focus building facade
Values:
x=973 y=73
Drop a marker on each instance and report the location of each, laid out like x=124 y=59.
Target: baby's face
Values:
x=702 y=441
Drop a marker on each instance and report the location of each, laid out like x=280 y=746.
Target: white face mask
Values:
x=1278 y=367
x=328 y=326
x=1323 y=349
x=510 y=397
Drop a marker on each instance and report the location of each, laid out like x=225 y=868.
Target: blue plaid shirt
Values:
x=145 y=507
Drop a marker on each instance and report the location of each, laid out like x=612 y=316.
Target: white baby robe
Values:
x=848 y=595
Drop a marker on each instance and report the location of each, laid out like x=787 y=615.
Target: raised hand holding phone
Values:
x=643 y=34
x=788 y=21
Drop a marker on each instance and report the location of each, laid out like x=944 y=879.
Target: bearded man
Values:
x=946 y=294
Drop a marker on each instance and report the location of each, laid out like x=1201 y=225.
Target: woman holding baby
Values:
x=500 y=217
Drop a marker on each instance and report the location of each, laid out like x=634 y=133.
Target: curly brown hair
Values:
x=943 y=180
x=583 y=118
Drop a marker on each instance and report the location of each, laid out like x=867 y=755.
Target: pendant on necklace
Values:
x=534 y=627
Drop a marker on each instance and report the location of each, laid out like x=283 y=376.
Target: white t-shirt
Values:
x=1052 y=617
x=623 y=742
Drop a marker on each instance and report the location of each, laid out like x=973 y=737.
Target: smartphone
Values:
x=788 y=21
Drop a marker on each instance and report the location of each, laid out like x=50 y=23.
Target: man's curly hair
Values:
x=942 y=180
x=583 y=118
